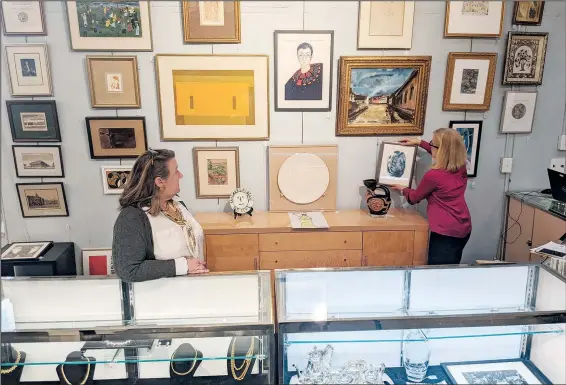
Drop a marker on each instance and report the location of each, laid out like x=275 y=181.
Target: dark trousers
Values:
x=445 y=250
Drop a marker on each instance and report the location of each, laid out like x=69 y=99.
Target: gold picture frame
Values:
x=113 y=81
x=222 y=172
x=224 y=26
x=472 y=18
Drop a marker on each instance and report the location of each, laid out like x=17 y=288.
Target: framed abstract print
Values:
x=114 y=178
x=385 y=24
x=303 y=70
x=513 y=371
x=518 y=112
x=213 y=97
x=217 y=171
x=382 y=95
x=525 y=57
x=97 y=262
x=33 y=120
x=42 y=200
x=528 y=12
x=469 y=81
x=474 y=18
x=211 y=21
x=470 y=131
x=28 y=66
x=113 y=81
x=116 y=137
x=23 y=18
x=38 y=161
x=109 y=25
x=396 y=164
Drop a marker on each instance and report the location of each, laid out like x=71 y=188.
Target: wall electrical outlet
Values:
x=505 y=165
x=562 y=142
x=558 y=164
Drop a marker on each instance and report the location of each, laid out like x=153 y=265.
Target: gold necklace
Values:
x=245 y=364
x=83 y=382
x=190 y=369
x=179 y=219
x=11 y=369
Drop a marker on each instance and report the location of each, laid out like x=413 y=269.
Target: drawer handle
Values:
x=345 y=241
x=276 y=242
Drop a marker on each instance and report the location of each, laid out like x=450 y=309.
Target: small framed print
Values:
x=470 y=131
x=25 y=250
x=514 y=371
x=528 y=12
x=97 y=262
x=28 y=66
x=116 y=137
x=469 y=81
x=525 y=57
x=33 y=120
x=42 y=200
x=518 y=112
x=114 y=178
x=38 y=161
x=211 y=21
x=217 y=171
x=385 y=24
x=23 y=18
x=396 y=164
x=474 y=18
x=113 y=81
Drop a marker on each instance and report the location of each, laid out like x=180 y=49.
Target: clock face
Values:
x=241 y=201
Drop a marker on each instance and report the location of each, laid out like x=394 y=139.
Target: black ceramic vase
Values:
x=378 y=201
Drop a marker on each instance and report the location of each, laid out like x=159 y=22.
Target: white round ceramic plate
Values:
x=303 y=178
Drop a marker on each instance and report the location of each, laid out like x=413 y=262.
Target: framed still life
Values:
x=518 y=112
x=525 y=57
x=213 y=97
x=38 y=161
x=109 y=25
x=114 y=178
x=113 y=81
x=396 y=164
x=381 y=95
x=42 y=200
x=217 y=171
x=211 y=21
x=116 y=137
x=25 y=250
x=469 y=81
x=385 y=24
x=97 y=262
x=23 y=18
x=528 y=12
x=470 y=131
x=303 y=70
x=28 y=66
x=33 y=120
x=514 y=371
x=474 y=18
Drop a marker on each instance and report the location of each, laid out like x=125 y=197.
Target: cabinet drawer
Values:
x=388 y=248
x=310 y=241
x=232 y=252
x=308 y=259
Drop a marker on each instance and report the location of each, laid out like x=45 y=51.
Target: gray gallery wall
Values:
x=92 y=214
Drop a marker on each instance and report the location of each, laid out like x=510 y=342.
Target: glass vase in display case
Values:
x=416 y=355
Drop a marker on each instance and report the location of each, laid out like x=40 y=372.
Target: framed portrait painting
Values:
x=303 y=70
x=114 y=178
x=97 y=262
x=469 y=81
x=474 y=18
x=42 y=200
x=385 y=24
x=33 y=120
x=396 y=164
x=382 y=95
x=211 y=21
x=470 y=131
x=217 y=171
x=113 y=81
x=116 y=137
x=518 y=112
x=25 y=250
x=525 y=57
x=28 y=66
x=38 y=161
x=23 y=18
x=528 y=12
x=513 y=371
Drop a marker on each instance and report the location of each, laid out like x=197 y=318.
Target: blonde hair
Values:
x=451 y=152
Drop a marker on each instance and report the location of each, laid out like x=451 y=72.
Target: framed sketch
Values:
x=514 y=371
x=28 y=66
x=382 y=95
x=474 y=18
x=470 y=131
x=525 y=57
x=211 y=21
x=116 y=137
x=385 y=24
x=33 y=120
x=97 y=262
x=303 y=70
x=217 y=171
x=42 y=200
x=528 y=12
x=213 y=97
x=113 y=81
x=109 y=25
x=518 y=112
x=23 y=18
x=396 y=164
x=38 y=161
x=114 y=178
x=25 y=250
x=469 y=81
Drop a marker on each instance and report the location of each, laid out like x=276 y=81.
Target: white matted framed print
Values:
x=38 y=161
x=25 y=250
x=23 y=18
x=97 y=262
x=470 y=131
x=396 y=164
x=494 y=372
x=385 y=24
x=303 y=70
x=114 y=178
x=474 y=18
x=217 y=171
x=28 y=66
x=518 y=112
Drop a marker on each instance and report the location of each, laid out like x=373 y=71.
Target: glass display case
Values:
x=200 y=329
x=491 y=324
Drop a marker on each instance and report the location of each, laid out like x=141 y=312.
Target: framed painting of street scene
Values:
x=42 y=200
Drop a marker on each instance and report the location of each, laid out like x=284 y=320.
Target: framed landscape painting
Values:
x=33 y=120
x=385 y=24
x=116 y=137
x=525 y=57
x=23 y=18
x=38 y=161
x=211 y=21
x=42 y=200
x=382 y=95
x=217 y=171
x=113 y=81
x=518 y=112
x=470 y=131
x=28 y=66
x=396 y=164
x=528 y=12
x=474 y=18
x=114 y=178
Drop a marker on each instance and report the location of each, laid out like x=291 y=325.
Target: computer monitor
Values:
x=557 y=184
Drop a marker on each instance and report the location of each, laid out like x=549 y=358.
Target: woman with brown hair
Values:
x=444 y=187
x=155 y=236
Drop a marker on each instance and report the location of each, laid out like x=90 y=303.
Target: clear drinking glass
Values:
x=416 y=355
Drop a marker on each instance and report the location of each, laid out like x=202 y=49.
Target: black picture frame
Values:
x=479 y=125
x=47 y=107
x=507 y=64
x=528 y=364
x=42 y=184
x=516 y=9
x=58 y=147
x=276 y=69
x=93 y=155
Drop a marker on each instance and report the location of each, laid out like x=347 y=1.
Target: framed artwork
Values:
x=38 y=161
x=382 y=95
x=114 y=178
x=213 y=97
x=109 y=25
x=303 y=70
x=518 y=112
x=116 y=137
x=211 y=21
x=528 y=12
x=396 y=164
x=474 y=18
x=97 y=262
x=470 y=131
x=513 y=371
x=385 y=24
x=33 y=120
x=217 y=171
x=25 y=250
x=113 y=81
x=524 y=59
x=23 y=18
x=469 y=81
x=28 y=65
x=42 y=200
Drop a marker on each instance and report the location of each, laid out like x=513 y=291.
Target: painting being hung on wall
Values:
x=396 y=164
x=28 y=65
x=211 y=21
x=382 y=95
x=525 y=57
x=528 y=12
x=385 y=24
x=109 y=25
x=474 y=18
x=42 y=200
x=113 y=81
x=33 y=120
x=470 y=131
x=303 y=70
x=23 y=18
x=113 y=137
x=217 y=171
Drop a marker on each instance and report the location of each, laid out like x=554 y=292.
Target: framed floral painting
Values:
x=525 y=57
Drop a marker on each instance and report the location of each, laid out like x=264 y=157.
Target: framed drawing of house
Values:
x=33 y=120
x=113 y=81
x=38 y=161
x=213 y=97
x=385 y=24
x=396 y=164
x=211 y=21
x=525 y=57
x=528 y=12
x=474 y=18
x=116 y=137
x=42 y=200
x=518 y=112
x=23 y=18
x=470 y=131
x=217 y=171
x=29 y=73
